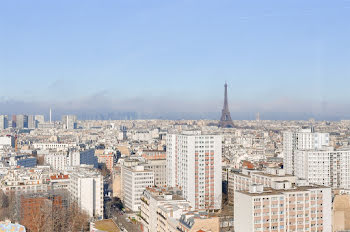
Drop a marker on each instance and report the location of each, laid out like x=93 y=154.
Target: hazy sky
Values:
x=290 y=56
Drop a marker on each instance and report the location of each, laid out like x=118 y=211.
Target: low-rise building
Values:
x=26 y=180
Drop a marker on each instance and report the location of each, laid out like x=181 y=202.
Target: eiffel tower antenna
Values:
x=226 y=121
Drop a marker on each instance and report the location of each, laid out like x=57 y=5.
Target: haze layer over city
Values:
x=174 y=116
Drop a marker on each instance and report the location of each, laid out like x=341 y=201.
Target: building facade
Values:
x=241 y=180
x=57 y=161
x=86 y=189
x=194 y=165
x=134 y=182
x=154 y=198
x=283 y=207
x=305 y=139
x=324 y=167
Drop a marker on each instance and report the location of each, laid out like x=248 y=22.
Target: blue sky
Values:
x=137 y=53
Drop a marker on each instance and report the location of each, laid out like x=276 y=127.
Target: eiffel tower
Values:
x=226 y=121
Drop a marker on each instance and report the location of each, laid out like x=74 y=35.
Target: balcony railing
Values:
x=144 y=201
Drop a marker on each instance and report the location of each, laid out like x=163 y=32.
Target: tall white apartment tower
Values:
x=194 y=166
x=324 y=167
x=305 y=139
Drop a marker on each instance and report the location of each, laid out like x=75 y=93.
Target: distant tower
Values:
x=50 y=115
x=258 y=116
x=226 y=121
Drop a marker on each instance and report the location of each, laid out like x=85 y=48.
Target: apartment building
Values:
x=62 y=160
x=26 y=180
x=59 y=182
x=241 y=180
x=57 y=161
x=53 y=146
x=107 y=159
x=305 y=139
x=79 y=157
x=135 y=179
x=194 y=165
x=324 y=167
x=153 y=154
x=86 y=189
x=155 y=197
x=158 y=166
x=283 y=207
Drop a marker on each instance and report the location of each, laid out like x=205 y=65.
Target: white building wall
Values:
x=171 y=159
x=188 y=166
x=327 y=209
x=86 y=195
x=217 y=171
x=49 y=146
x=301 y=161
x=194 y=165
x=243 y=213
x=86 y=188
x=134 y=182
x=74 y=158
x=56 y=161
x=300 y=140
x=324 y=167
x=7 y=141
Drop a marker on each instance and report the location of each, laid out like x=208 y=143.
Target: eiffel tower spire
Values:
x=226 y=121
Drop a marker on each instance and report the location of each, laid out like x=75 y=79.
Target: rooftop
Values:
x=107 y=225
x=165 y=193
x=271 y=175
x=271 y=191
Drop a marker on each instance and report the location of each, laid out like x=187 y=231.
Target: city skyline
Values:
x=286 y=61
x=185 y=115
